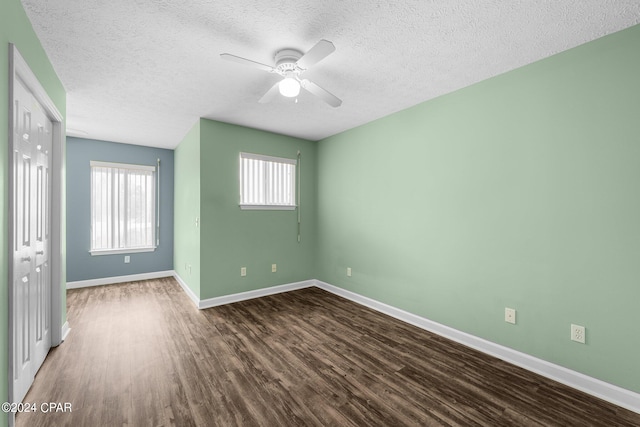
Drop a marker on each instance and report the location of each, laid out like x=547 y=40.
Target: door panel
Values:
x=22 y=249
x=41 y=241
x=26 y=313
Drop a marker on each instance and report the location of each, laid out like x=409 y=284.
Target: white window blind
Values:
x=267 y=182
x=122 y=207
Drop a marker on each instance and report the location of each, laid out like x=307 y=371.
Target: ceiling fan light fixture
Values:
x=289 y=87
x=290 y=64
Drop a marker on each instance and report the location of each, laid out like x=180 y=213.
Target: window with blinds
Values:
x=122 y=208
x=267 y=182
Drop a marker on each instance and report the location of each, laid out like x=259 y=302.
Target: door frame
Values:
x=18 y=68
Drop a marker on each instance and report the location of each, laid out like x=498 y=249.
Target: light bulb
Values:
x=289 y=87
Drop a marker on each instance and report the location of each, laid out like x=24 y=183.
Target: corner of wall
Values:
x=233 y=238
x=187 y=221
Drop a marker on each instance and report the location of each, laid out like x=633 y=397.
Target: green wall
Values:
x=228 y=238
x=186 y=249
x=233 y=238
x=520 y=191
x=16 y=28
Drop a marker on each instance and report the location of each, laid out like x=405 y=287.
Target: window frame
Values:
x=152 y=194
x=272 y=159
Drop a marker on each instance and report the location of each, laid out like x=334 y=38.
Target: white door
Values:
x=32 y=144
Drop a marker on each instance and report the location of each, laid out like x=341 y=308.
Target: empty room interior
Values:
x=320 y=213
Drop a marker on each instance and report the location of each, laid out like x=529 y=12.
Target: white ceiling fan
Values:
x=290 y=64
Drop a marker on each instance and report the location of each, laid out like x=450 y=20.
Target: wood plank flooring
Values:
x=140 y=354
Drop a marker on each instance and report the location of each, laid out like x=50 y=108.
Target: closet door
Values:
x=32 y=142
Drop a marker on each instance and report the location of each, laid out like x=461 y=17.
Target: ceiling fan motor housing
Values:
x=286 y=60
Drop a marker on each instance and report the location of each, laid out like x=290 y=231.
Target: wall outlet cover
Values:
x=578 y=333
x=510 y=315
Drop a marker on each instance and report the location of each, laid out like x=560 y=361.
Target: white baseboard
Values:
x=187 y=290
x=603 y=390
x=242 y=296
x=119 y=279
x=65 y=330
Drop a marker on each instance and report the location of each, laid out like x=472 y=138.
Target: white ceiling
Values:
x=143 y=71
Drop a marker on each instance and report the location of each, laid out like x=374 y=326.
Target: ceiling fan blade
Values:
x=271 y=93
x=316 y=54
x=321 y=93
x=233 y=58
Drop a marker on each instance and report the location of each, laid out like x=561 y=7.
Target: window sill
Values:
x=121 y=251
x=267 y=208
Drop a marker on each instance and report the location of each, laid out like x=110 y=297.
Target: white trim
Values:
x=58 y=209
x=193 y=297
x=99 y=252
x=242 y=296
x=603 y=390
x=99 y=164
x=119 y=279
x=65 y=330
x=22 y=69
x=268 y=207
x=244 y=155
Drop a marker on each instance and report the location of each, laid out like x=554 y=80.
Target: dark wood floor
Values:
x=140 y=354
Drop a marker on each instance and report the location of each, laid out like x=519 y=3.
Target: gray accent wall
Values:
x=80 y=264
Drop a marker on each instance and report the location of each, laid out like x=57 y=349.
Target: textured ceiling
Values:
x=143 y=71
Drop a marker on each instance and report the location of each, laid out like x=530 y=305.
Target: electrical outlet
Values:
x=348 y=271
x=510 y=315
x=243 y=271
x=577 y=333
x=127 y=259
x=274 y=268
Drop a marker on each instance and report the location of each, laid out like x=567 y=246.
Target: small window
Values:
x=267 y=182
x=122 y=208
